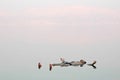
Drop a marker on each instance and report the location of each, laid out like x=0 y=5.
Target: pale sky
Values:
x=33 y=31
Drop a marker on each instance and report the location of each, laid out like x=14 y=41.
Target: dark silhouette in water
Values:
x=93 y=64
x=39 y=65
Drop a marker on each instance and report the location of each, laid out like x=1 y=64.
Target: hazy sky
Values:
x=33 y=31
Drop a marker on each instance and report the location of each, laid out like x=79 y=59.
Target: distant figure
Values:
x=82 y=62
x=50 y=67
x=93 y=64
x=39 y=65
